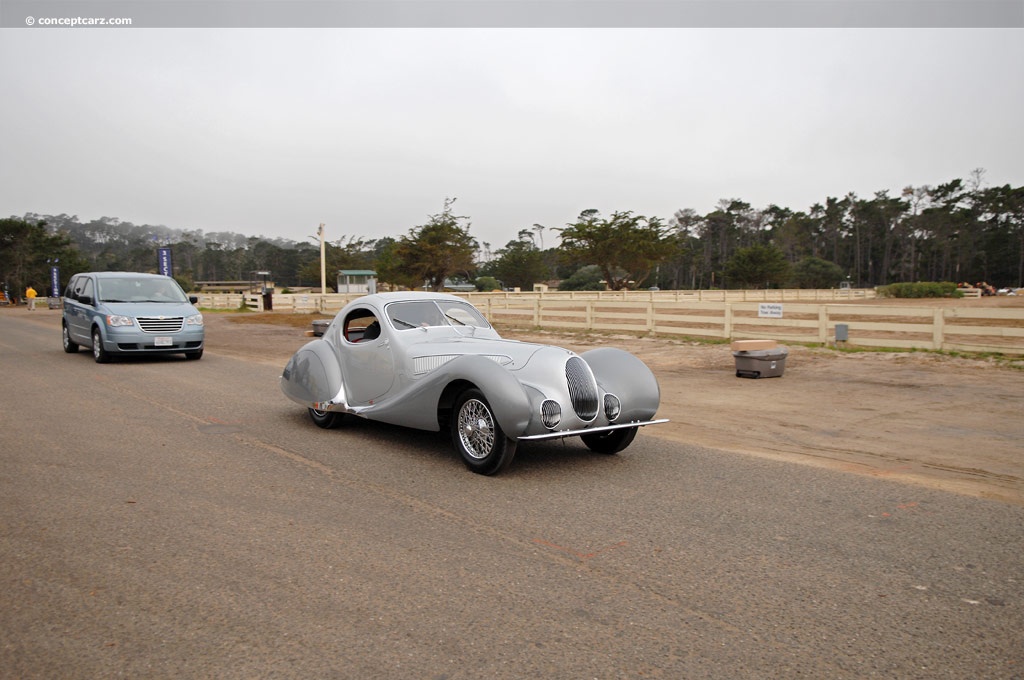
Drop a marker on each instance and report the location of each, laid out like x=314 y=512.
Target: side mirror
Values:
x=193 y=299
x=86 y=300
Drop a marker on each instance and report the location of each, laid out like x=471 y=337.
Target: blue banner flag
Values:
x=164 y=261
x=55 y=281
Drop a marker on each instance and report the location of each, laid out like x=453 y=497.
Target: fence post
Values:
x=590 y=315
x=823 y=324
x=536 y=312
x=727 y=326
x=938 y=326
x=650 y=316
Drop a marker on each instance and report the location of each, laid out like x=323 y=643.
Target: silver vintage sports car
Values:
x=431 y=361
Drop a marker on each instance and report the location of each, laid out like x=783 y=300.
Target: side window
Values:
x=361 y=325
x=87 y=287
x=73 y=284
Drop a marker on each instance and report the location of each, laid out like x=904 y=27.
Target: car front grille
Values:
x=582 y=388
x=160 y=324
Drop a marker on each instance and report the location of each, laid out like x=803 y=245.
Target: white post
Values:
x=323 y=262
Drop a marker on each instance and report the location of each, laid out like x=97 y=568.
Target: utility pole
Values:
x=323 y=262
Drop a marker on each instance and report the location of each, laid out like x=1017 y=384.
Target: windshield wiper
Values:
x=404 y=323
x=452 y=318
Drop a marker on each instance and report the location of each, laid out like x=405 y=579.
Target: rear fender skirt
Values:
x=312 y=378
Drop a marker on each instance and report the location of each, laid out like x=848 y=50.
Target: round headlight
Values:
x=612 y=407
x=550 y=413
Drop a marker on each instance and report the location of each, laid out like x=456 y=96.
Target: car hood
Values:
x=149 y=308
x=511 y=354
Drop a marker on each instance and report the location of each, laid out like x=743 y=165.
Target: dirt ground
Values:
x=950 y=422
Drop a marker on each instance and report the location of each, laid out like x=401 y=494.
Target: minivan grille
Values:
x=582 y=388
x=160 y=324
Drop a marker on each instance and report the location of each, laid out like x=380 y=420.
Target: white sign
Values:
x=770 y=310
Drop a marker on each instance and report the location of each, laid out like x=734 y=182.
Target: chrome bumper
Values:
x=591 y=430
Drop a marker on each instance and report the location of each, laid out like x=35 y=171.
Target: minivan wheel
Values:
x=98 y=353
x=70 y=346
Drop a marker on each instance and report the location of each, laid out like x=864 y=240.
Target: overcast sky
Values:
x=268 y=132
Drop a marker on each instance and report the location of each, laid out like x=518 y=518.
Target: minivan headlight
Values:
x=118 y=320
x=194 y=320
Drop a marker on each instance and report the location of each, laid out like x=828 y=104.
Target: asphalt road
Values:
x=170 y=518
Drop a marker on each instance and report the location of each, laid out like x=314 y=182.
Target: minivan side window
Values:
x=87 y=288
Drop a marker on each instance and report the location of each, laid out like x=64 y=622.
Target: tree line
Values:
x=960 y=231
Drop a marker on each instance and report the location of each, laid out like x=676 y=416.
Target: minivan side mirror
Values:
x=86 y=300
x=193 y=299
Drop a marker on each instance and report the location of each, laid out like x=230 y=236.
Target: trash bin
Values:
x=320 y=326
x=761 y=363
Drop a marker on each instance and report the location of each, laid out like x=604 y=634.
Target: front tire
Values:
x=70 y=346
x=98 y=352
x=610 y=441
x=477 y=436
x=326 y=419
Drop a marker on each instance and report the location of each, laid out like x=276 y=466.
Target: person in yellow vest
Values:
x=30 y=295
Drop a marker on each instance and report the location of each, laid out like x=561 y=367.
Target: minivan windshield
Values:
x=139 y=290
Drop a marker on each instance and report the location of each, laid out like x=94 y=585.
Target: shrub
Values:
x=485 y=284
x=921 y=289
x=813 y=272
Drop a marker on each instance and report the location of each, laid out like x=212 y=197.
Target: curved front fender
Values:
x=506 y=395
x=416 y=405
x=628 y=378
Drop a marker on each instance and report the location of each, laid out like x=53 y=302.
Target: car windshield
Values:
x=426 y=313
x=139 y=290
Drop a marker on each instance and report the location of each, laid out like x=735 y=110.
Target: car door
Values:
x=368 y=363
x=76 y=314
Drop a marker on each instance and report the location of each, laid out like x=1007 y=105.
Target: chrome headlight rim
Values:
x=612 y=407
x=550 y=413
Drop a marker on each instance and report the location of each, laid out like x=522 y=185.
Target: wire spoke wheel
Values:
x=478 y=437
x=476 y=429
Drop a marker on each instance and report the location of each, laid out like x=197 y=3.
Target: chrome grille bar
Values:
x=582 y=388
x=157 y=324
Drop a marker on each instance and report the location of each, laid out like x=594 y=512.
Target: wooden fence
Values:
x=982 y=329
x=693 y=314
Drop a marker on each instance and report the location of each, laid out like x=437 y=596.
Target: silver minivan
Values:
x=130 y=313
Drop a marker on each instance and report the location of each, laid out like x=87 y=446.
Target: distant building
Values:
x=458 y=286
x=357 y=281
